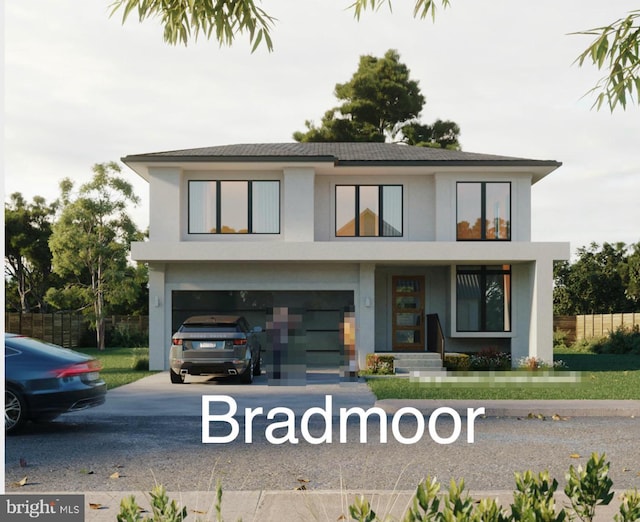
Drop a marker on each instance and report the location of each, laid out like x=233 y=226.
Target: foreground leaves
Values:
x=617 y=50
x=222 y=20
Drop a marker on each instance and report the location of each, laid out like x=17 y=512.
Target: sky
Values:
x=82 y=88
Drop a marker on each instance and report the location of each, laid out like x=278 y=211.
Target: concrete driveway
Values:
x=155 y=395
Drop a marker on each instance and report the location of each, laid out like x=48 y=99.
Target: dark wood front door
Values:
x=408 y=313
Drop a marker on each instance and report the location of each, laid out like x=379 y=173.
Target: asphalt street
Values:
x=151 y=432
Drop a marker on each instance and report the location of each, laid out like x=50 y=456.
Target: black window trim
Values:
x=483 y=209
x=218 y=231
x=357 y=186
x=482 y=271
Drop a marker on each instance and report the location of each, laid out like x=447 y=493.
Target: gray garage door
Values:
x=321 y=313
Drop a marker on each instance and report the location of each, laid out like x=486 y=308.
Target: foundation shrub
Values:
x=490 y=359
x=379 y=364
x=457 y=362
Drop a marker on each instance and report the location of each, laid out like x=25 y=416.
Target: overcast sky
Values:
x=80 y=89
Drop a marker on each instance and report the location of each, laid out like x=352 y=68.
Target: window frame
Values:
x=482 y=271
x=483 y=209
x=218 y=217
x=356 y=205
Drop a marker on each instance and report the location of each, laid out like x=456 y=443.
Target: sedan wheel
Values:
x=15 y=410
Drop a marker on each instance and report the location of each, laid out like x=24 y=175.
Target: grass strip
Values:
x=603 y=377
x=117 y=365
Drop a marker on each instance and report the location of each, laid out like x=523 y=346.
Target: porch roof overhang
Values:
x=392 y=252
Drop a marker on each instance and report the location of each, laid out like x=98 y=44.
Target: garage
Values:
x=313 y=338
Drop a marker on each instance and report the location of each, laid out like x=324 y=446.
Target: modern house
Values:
x=409 y=247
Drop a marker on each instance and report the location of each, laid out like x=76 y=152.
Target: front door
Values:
x=408 y=313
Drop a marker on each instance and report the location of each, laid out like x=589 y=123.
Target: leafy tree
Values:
x=27 y=265
x=91 y=241
x=222 y=19
x=380 y=102
x=633 y=275
x=602 y=280
x=616 y=48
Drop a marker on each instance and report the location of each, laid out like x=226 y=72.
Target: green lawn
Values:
x=117 y=364
x=602 y=377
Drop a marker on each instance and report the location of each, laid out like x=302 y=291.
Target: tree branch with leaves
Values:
x=615 y=49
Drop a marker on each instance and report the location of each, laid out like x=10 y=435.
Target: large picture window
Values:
x=234 y=207
x=483 y=298
x=369 y=210
x=484 y=211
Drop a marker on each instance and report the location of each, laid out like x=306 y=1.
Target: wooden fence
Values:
x=68 y=329
x=580 y=327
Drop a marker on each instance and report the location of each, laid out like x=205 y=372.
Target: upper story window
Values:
x=369 y=210
x=484 y=211
x=234 y=207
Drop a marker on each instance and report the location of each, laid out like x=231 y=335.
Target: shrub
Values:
x=140 y=360
x=533 y=500
x=621 y=340
x=456 y=362
x=560 y=339
x=125 y=336
x=162 y=507
x=490 y=359
x=378 y=364
x=534 y=363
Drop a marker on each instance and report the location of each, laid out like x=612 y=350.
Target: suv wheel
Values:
x=176 y=378
x=257 y=369
x=247 y=376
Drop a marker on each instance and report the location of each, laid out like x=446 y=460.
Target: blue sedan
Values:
x=43 y=380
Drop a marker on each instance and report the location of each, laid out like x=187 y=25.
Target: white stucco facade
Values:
x=306 y=254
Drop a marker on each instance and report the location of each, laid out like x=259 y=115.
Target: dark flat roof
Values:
x=338 y=153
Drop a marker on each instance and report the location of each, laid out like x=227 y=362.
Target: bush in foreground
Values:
x=533 y=501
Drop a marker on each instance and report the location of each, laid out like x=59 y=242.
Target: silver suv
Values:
x=218 y=345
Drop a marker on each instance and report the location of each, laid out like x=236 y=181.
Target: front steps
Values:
x=409 y=363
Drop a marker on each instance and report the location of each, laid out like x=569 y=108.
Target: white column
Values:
x=365 y=313
x=159 y=336
x=541 y=330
